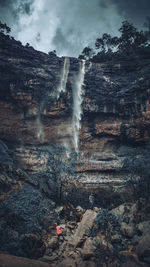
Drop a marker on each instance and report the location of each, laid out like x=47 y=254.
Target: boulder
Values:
x=67 y=263
x=83 y=228
x=143 y=248
x=143 y=226
x=13 y=261
x=127 y=230
x=88 y=249
x=52 y=243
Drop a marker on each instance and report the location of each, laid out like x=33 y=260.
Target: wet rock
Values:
x=143 y=227
x=88 y=249
x=67 y=263
x=82 y=230
x=52 y=243
x=13 y=261
x=143 y=247
x=4 y=154
x=32 y=246
x=127 y=230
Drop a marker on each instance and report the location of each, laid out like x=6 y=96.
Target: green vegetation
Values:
x=130 y=43
x=59 y=167
x=138 y=164
x=107 y=225
x=4 y=29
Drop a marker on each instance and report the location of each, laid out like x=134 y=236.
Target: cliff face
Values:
x=115 y=110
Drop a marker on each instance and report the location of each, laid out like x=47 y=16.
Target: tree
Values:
x=106 y=224
x=131 y=38
x=147 y=23
x=4 y=28
x=87 y=53
x=58 y=168
x=52 y=53
x=138 y=165
x=106 y=43
x=128 y=33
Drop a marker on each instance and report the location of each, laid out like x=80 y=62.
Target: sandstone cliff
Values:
x=34 y=112
x=115 y=111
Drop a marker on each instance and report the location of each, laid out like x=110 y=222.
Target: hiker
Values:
x=59 y=230
x=66 y=197
x=91 y=200
x=70 y=215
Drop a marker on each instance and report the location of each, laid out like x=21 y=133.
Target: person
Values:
x=66 y=197
x=91 y=200
x=70 y=215
x=59 y=230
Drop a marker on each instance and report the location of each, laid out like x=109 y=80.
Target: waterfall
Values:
x=77 y=100
x=40 y=130
x=64 y=76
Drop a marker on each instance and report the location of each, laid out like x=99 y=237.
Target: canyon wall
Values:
x=36 y=109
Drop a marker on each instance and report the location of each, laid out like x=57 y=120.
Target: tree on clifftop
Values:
x=130 y=42
x=130 y=37
x=4 y=28
x=87 y=53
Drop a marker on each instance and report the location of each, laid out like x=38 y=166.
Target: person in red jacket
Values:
x=59 y=230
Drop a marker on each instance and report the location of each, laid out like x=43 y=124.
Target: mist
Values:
x=68 y=26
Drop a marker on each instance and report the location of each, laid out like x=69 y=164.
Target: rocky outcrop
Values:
x=12 y=261
x=115 y=112
x=101 y=237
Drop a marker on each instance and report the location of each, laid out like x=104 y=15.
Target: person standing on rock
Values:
x=66 y=197
x=91 y=200
x=70 y=215
x=59 y=230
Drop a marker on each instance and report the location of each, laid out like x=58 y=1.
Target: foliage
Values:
x=138 y=165
x=58 y=167
x=105 y=256
x=147 y=23
x=87 y=53
x=130 y=41
x=58 y=163
x=130 y=37
x=52 y=53
x=107 y=224
x=4 y=28
x=106 y=42
x=105 y=220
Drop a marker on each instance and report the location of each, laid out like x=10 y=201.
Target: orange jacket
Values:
x=59 y=230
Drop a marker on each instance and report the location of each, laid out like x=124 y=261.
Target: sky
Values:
x=67 y=26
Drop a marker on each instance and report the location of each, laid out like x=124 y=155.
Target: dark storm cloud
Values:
x=69 y=25
x=134 y=10
x=23 y=6
x=11 y=10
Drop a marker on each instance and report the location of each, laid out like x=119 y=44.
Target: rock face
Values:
x=115 y=112
x=12 y=261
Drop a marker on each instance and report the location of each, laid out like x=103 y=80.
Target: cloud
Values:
x=136 y=10
x=69 y=25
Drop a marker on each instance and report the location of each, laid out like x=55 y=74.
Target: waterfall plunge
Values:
x=64 y=76
x=77 y=100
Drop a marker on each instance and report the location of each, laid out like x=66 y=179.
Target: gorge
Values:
x=51 y=107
